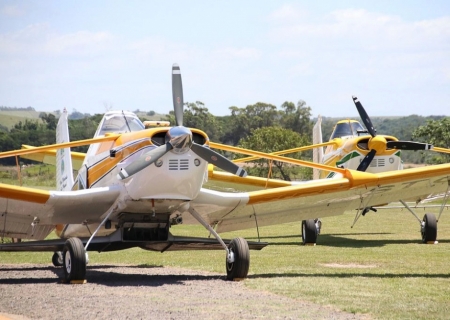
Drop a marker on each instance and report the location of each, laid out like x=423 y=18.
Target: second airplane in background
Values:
x=351 y=146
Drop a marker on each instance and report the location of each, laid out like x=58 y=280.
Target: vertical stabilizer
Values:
x=64 y=172
x=317 y=152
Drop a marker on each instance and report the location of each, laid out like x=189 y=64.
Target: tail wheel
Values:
x=74 y=262
x=238 y=269
x=309 y=231
x=429 y=228
x=57 y=259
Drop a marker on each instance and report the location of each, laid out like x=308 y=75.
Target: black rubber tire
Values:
x=238 y=269
x=309 y=232
x=429 y=231
x=74 y=260
x=57 y=259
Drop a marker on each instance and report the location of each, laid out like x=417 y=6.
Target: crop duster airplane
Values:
x=351 y=146
x=134 y=184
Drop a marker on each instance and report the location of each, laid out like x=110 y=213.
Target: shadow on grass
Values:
x=341 y=240
x=104 y=275
x=351 y=275
x=298 y=236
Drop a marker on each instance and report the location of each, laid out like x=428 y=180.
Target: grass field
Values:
x=379 y=268
x=40 y=176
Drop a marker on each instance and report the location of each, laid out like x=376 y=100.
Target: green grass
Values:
x=39 y=176
x=379 y=268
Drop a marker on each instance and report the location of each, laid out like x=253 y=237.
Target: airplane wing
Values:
x=49 y=157
x=319 y=198
x=33 y=213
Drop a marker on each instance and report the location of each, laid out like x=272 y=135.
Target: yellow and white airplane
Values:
x=351 y=146
x=134 y=184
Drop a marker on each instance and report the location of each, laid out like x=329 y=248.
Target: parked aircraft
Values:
x=352 y=146
x=134 y=184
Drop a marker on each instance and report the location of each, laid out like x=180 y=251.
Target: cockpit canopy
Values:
x=347 y=128
x=119 y=122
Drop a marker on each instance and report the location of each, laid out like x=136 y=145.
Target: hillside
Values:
x=8 y=118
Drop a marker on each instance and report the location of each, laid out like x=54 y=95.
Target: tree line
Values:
x=260 y=126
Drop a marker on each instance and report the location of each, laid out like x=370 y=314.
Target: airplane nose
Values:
x=180 y=138
x=378 y=143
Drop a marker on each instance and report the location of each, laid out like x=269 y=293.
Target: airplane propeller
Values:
x=379 y=143
x=179 y=140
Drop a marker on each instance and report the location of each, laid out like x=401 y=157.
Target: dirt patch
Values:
x=132 y=292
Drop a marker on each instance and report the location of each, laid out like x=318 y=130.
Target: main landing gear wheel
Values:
x=238 y=269
x=309 y=232
x=74 y=260
x=429 y=228
x=57 y=259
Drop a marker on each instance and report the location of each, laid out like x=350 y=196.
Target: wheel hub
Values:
x=68 y=262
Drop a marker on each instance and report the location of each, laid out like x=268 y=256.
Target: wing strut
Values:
x=111 y=210
x=362 y=208
x=410 y=210
x=444 y=203
x=198 y=217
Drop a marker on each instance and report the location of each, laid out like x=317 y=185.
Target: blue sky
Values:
x=91 y=56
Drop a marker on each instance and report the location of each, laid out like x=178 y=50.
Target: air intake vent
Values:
x=182 y=164
x=378 y=163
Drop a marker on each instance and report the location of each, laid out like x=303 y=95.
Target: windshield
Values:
x=119 y=123
x=349 y=128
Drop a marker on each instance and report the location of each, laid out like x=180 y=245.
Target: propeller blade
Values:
x=144 y=161
x=364 y=117
x=366 y=161
x=177 y=94
x=218 y=160
x=409 y=145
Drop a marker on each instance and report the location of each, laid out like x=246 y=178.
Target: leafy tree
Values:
x=436 y=132
x=298 y=118
x=244 y=120
x=78 y=115
x=80 y=129
x=196 y=115
x=6 y=142
x=49 y=119
x=271 y=139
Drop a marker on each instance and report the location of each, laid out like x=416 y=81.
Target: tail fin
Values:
x=64 y=171
x=317 y=152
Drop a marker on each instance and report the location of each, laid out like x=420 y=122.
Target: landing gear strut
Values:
x=238 y=252
x=428 y=226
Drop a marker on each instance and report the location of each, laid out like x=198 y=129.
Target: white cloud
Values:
x=373 y=30
x=40 y=39
x=287 y=12
x=319 y=56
